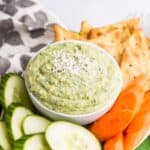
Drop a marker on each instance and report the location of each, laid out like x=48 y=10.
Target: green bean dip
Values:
x=73 y=78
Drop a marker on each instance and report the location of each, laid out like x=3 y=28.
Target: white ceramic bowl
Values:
x=81 y=119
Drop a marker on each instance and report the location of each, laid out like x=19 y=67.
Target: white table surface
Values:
x=97 y=12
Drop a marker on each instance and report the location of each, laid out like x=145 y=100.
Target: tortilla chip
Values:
x=85 y=29
x=124 y=25
x=113 y=42
x=148 y=42
x=138 y=40
x=64 y=34
x=136 y=57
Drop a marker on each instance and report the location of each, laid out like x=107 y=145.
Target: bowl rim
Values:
x=33 y=98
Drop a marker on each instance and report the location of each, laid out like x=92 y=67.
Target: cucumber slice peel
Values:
x=14 y=117
x=1 y=148
x=34 y=124
x=4 y=139
x=33 y=142
x=67 y=136
x=1 y=114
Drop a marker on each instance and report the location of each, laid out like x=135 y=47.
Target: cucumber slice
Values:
x=34 y=124
x=34 y=142
x=12 y=89
x=4 y=140
x=15 y=114
x=63 y=135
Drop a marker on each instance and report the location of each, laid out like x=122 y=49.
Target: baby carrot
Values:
x=115 y=143
x=139 y=128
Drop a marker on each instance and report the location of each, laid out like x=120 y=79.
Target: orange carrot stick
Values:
x=115 y=143
x=123 y=111
x=139 y=127
x=130 y=98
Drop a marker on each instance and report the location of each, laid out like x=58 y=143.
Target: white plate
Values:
x=97 y=12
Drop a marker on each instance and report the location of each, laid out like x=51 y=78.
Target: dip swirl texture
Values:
x=73 y=78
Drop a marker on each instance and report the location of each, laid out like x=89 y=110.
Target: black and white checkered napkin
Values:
x=25 y=27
